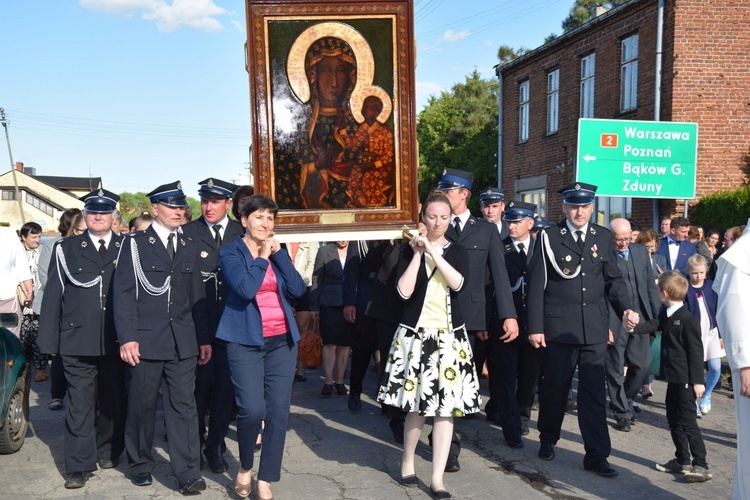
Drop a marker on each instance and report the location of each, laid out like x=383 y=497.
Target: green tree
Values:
x=582 y=11
x=458 y=129
x=134 y=204
x=506 y=53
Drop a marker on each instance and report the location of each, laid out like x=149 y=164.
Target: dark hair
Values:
x=144 y=217
x=435 y=196
x=30 y=228
x=74 y=223
x=258 y=202
x=240 y=195
x=713 y=231
x=634 y=226
x=66 y=220
x=679 y=221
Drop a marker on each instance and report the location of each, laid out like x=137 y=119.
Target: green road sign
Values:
x=638 y=159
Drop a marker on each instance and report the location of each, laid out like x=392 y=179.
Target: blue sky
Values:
x=143 y=92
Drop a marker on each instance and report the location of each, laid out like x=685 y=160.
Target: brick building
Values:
x=607 y=68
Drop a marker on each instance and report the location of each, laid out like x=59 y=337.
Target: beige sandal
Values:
x=242 y=490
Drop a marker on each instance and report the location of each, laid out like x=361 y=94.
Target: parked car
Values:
x=15 y=376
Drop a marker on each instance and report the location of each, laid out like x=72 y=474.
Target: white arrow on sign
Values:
x=589 y=158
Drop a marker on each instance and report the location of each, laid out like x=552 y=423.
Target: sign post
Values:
x=640 y=159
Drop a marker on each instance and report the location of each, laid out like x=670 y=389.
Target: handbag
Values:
x=21 y=294
x=310 y=347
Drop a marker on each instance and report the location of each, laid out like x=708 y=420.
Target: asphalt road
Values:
x=332 y=453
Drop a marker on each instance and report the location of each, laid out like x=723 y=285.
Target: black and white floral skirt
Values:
x=431 y=371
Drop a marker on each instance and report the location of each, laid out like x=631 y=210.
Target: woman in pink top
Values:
x=261 y=336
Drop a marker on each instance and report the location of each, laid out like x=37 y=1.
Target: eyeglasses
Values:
x=622 y=240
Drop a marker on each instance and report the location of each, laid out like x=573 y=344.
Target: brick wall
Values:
x=705 y=79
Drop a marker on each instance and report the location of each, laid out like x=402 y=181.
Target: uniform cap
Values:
x=519 y=210
x=454 y=179
x=491 y=195
x=100 y=201
x=216 y=189
x=170 y=195
x=540 y=224
x=579 y=193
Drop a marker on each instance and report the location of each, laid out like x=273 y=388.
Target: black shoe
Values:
x=524 y=430
x=623 y=424
x=452 y=465
x=409 y=481
x=216 y=462
x=547 y=451
x=355 y=403
x=327 y=390
x=341 y=389
x=193 y=486
x=439 y=494
x=299 y=378
x=108 y=463
x=76 y=480
x=602 y=468
x=516 y=443
x=142 y=479
x=258 y=447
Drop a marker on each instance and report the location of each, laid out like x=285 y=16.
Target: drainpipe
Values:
x=657 y=91
x=499 y=74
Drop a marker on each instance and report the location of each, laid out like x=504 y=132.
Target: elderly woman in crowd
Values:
x=430 y=370
x=31 y=238
x=261 y=335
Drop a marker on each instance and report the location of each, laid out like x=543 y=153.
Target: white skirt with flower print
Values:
x=431 y=371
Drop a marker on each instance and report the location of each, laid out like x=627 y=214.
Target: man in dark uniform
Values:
x=486 y=270
x=492 y=204
x=160 y=298
x=213 y=385
x=513 y=366
x=573 y=274
x=80 y=276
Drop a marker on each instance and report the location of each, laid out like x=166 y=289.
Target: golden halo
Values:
x=295 y=67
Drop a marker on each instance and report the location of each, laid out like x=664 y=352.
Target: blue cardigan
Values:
x=241 y=322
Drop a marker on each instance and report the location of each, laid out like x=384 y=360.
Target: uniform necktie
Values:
x=170 y=245
x=457 y=225
x=217 y=234
x=522 y=251
x=579 y=234
x=102 y=249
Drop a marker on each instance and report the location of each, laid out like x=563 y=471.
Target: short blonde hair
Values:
x=697 y=260
x=674 y=284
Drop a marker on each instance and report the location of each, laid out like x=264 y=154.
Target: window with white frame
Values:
x=523 y=111
x=538 y=197
x=9 y=194
x=588 y=66
x=553 y=100
x=629 y=73
x=40 y=204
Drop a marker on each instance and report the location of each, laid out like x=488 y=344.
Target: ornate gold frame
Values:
x=280 y=33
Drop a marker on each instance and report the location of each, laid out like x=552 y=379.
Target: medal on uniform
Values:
x=151 y=240
x=593 y=249
x=84 y=244
x=566 y=270
x=117 y=244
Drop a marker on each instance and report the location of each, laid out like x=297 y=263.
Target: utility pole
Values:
x=12 y=166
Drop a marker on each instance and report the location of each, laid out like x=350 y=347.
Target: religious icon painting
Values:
x=334 y=129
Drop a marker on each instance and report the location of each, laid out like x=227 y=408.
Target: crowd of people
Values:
x=209 y=313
